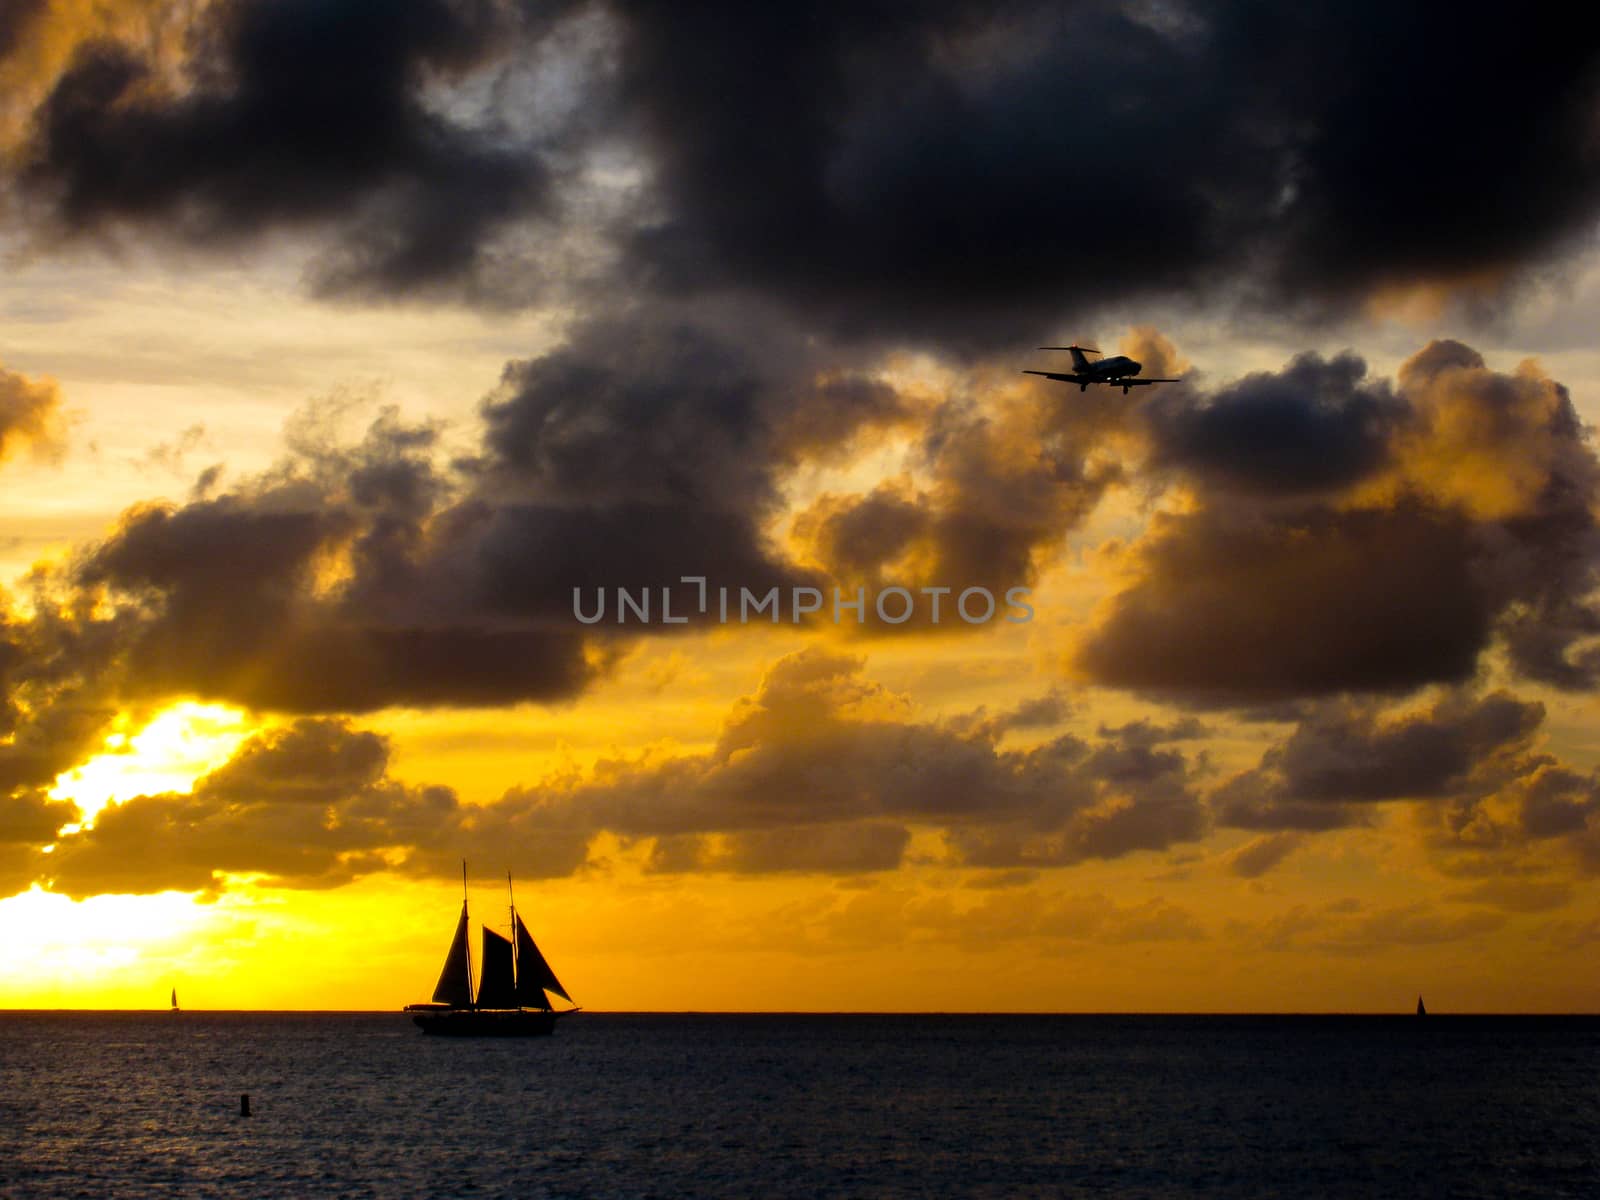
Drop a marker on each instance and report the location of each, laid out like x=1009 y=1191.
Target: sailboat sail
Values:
x=534 y=974
x=497 y=987
x=455 y=981
x=174 y=999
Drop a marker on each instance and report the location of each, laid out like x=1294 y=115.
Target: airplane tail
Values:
x=1079 y=362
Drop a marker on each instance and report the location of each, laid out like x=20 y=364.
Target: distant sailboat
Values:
x=1421 y=1012
x=174 y=999
x=510 y=999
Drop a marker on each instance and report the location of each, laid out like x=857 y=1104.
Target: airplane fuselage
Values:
x=1119 y=370
x=1119 y=367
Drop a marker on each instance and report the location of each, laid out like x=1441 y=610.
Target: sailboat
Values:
x=511 y=998
x=174 y=999
x=1421 y=1012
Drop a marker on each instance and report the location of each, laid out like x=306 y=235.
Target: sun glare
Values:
x=179 y=746
x=93 y=944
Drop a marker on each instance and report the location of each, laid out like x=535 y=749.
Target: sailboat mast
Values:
x=470 y=1003
x=515 y=975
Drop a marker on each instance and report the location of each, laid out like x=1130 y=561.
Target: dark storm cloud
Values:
x=297 y=113
x=1344 y=754
x=309 y=806
x=1450 y=510
x=648 y=447
x=1536 y=461
x=353 y=577
x=1256 y=858
x=15 y=18
x=939 y=170
x=1041 y=712
x=644 y=449
x=1005 y=484
x=644 y=409
x=1554 y=643
x=822 y=770
x=299 y=591
x=1387 y=179
x=899 y=166
x=663 y=404
x=1560 y=801
x=1507 y=833
x=56 y=724
x=1148 y=733
x=31 y=818
x=60 y=668
x=1241 y=607
x=1491 y=803
x=316 y=762
x=1314 y=426
x=933 y=172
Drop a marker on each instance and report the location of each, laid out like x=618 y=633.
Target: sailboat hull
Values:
x=480 y=1022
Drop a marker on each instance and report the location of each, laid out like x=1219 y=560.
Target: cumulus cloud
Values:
x=60 y=668
x=822 y=769
x=1546 y=805
x=1456 y=507
x=644 y=449
x=29 y=820
x=266 y=596
x=30 y=415
x=1348 y=753
x=1236 y=606
x=354 y=577
x=1491 y=801
x=996 y=481
x=1316 y=426
x=310 y=805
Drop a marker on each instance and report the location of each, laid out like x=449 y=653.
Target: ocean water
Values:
x=133 y=1105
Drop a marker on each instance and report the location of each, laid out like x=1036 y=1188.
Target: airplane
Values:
x=1118 y=371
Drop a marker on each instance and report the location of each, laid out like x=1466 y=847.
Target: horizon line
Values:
x=763 y=1012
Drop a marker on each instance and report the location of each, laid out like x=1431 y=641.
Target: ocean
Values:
x=147 y=1104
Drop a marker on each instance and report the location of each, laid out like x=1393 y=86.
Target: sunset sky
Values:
x=342 y=340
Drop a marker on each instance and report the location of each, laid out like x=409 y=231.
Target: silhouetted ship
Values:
x=511 y=999
x=1421 y=1012
x=174 y=999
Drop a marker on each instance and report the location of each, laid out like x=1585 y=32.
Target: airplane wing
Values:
x=1137 y=382
x=1060 y=376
